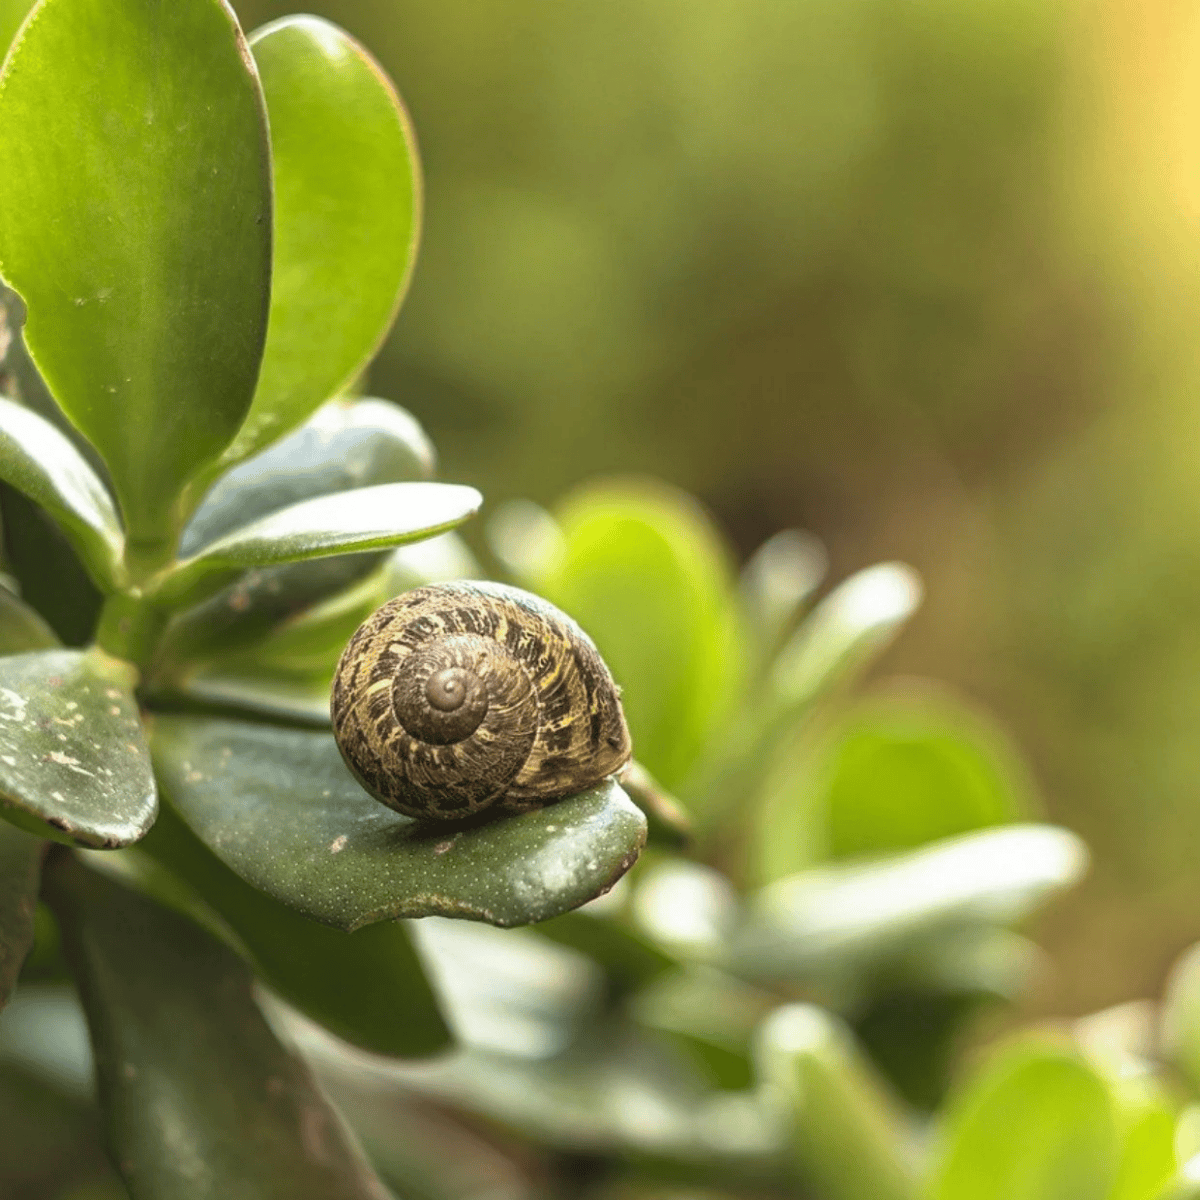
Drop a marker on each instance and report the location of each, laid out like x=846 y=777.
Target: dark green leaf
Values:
x=850 y=1137
x=367 y=987
x=20 y=868
x=200 y=1100
x=279 y=807
x=367 y=518
x=1036 y=1124
x=21 y=628
x=135 y=223
x=52 y=580
x=641 y=568
x=40 y=462
x=295 y=701
x=73 y=759
x=347 y=206
x=629 y=959
x=346 y=444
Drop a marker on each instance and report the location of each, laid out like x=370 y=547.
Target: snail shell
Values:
x=458 y=697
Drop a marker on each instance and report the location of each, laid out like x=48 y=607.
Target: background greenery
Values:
x=917 y=277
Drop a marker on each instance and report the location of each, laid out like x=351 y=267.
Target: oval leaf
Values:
x=135 y=222
x=20 y=870
x=345 y=444
x=368 y=987
x=21 y=628
x=73 y=759
x=1038 y=1124
x=364 y=519
x=849 y=1136
x=279 y=807
x=854 y=914
x=347 y=208
x=40 y=462
x=199 y=1098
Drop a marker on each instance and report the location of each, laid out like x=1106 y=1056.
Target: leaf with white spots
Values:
x=279 y=807
x=74 y=765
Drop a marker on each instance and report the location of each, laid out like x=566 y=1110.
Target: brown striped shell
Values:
x=458 y=697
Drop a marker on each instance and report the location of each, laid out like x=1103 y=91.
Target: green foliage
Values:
x=200 y=296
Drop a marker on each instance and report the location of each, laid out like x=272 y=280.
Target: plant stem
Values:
x=130 y=627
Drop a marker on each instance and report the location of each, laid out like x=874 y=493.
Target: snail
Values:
x=459 y=697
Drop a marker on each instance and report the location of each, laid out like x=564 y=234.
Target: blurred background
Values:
x=922 y=278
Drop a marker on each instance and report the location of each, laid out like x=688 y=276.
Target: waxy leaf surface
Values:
x=200 y=1100
x=280 y=808
x=73 y=759
x=345 y=444
x=135 y=223
x=347 y=214
x=370 y=518
x=20 y=870
x=367 y=987
x=40 y=462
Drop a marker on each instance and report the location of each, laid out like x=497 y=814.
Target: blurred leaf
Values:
x=73 y=759
x=1147 y=1155
x=896 y=771
x=850 y=625
x=367 y=518
x=50 y=1143
x=367 y=987
x=199 y=1098
x=850 y=1138
x=20 y=869
x=347 y=215
x=135 y=223
x=1181 y=1015
x=305 y=832
x=776 y=581
x=629 y=959
x=839 y=918
x=1036 y=1124
x=345 y=444
x=644 y=572
x=52 y=580
x=40 y=462
x=668 y=822
x=21 y=628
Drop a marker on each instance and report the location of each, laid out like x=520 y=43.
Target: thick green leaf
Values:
x=367 y=987
x=135 y=223
x=842 y=918
x=347 y=215
x=21 y=628
x=73 y=759
x=850 y=1138
x=642 y=569
x=345 y=444
x=51 y=578
x=40 y=462
x=777 y=580
x=279 y=807
x=902 y=768
x=294 y=701
x=369 y=518
x=1036 y=1124
x=200 y=1100
x=20 y=868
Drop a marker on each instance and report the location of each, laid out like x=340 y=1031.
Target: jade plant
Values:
x=206 y=237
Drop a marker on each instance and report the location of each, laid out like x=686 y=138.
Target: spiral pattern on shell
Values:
x=457 y=697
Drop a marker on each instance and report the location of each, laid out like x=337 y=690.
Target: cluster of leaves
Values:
x=204 y=245
x=772 y=1007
